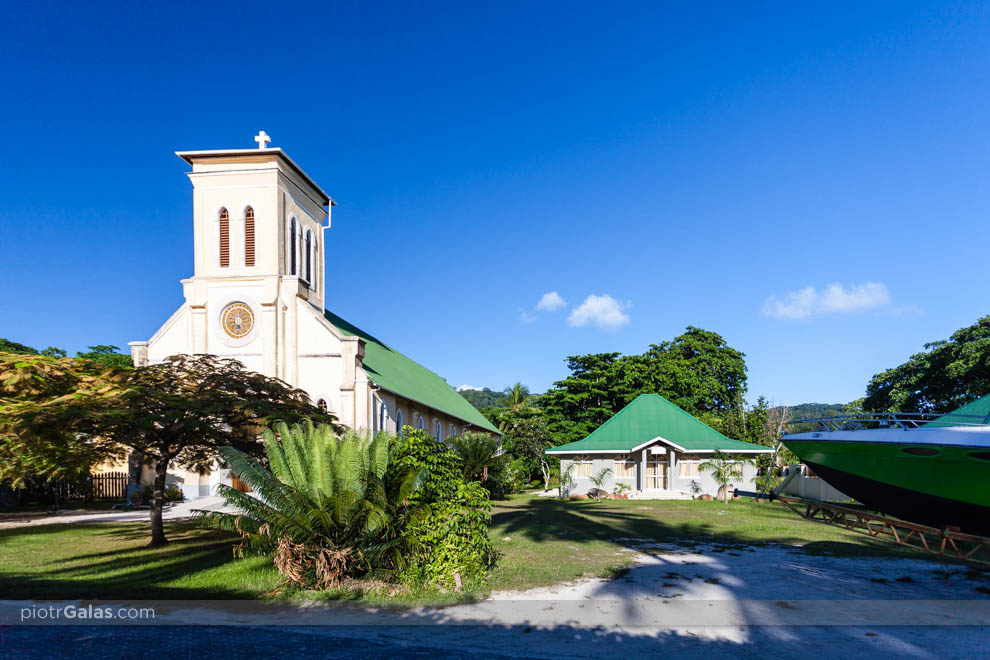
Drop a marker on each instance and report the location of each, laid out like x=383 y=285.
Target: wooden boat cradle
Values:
x=946 y=542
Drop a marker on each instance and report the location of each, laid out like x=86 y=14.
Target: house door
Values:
x=237 y=484
x=656 y=475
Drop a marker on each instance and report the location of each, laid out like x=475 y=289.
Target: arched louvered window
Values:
x=293 y=246
x=382 y=416
x=438 y=430
x=224 y=238
x=249 y=237
x=309 y=255
x=453 y=431
x=420 y=423
x=398 y=421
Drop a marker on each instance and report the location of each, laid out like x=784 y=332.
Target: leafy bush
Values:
x=173 y=494
x=331 y=507
x=449 y=533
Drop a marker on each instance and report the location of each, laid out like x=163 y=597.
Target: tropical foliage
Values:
x=946 y=375
x=449 y=535
x=477 y=451
x=64 y=415
x=724 y=470
x=328 y=507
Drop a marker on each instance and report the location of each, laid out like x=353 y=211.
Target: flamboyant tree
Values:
x=177 y=412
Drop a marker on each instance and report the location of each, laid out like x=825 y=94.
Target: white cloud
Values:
x=601 y=311
x=550 y=302
x=468 y=387
x=833 y=299
x=527 y=317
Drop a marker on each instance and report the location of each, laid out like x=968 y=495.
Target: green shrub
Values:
x=173 y=494
x=449 y=533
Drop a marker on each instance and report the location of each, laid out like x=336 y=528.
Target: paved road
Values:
x=168 y=642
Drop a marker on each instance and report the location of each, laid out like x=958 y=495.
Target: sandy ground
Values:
x=717 y=601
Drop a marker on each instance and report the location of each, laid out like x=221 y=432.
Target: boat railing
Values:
x=905 y=421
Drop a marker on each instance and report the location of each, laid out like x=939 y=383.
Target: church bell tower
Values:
x=258 y=222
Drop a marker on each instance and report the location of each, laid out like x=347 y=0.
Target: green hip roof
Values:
x=393 y=371
x=650 y=416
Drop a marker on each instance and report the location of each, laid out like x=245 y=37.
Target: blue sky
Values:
x=809 y=180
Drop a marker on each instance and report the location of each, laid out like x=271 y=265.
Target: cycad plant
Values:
x=478 y=451
x=325 y=508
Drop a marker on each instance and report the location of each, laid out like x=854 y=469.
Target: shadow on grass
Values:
x=199 y=560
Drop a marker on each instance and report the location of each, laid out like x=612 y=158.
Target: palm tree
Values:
x=723 y=469
x=518 y=397
x=477 y=451
x=599 y=481
x=328 y=508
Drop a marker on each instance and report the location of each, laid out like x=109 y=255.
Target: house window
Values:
x=582 y=466
x=309 y=255
x=438 y=430
x=624 y=467
x=224 y=238
x=398 y=421
x=249 y=237
x=293 y=248
x=688 y=468
x=420 y=423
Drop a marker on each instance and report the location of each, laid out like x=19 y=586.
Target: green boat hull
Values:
x=932 y=485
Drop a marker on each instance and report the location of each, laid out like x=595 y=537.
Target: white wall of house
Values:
x=685 y=476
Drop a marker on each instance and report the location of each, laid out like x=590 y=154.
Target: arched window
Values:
x=438 y=430
x=249 y=237
x=224 y=238
x=453 y=431
x=309 y=255
x=420 y=423
x=382 y=415
x=398 y=421
x=322 y=405
x=293 y=246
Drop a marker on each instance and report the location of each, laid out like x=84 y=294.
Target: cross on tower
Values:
x=262 y=139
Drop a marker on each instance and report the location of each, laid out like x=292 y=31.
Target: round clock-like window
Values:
x=237 y=320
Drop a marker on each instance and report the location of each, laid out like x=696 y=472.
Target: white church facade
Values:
x=258 y=294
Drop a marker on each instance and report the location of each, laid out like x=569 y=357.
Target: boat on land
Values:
x=930 y=469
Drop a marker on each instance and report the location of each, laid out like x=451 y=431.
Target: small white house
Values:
x=656 y=449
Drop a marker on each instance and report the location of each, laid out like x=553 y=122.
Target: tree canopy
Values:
x=697 y=371
x=178 y=411
x=947 y=374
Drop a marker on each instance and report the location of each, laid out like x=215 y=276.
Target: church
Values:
x=258 y=294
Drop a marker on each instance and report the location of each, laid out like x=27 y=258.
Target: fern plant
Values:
x=325 y=508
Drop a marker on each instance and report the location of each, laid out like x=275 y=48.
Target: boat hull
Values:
x=948 y=486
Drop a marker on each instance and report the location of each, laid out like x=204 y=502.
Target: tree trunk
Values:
x=545 y=469
x=157 y=501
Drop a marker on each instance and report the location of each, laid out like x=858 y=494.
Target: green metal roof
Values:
x=393 y=371
x=650 y=416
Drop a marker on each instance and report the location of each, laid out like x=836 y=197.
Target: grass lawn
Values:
x=541 y=541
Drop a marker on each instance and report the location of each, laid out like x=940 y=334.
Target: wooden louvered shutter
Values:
x=309 y=258
x=249 y=237
x=224 y=238
x=292 y=247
